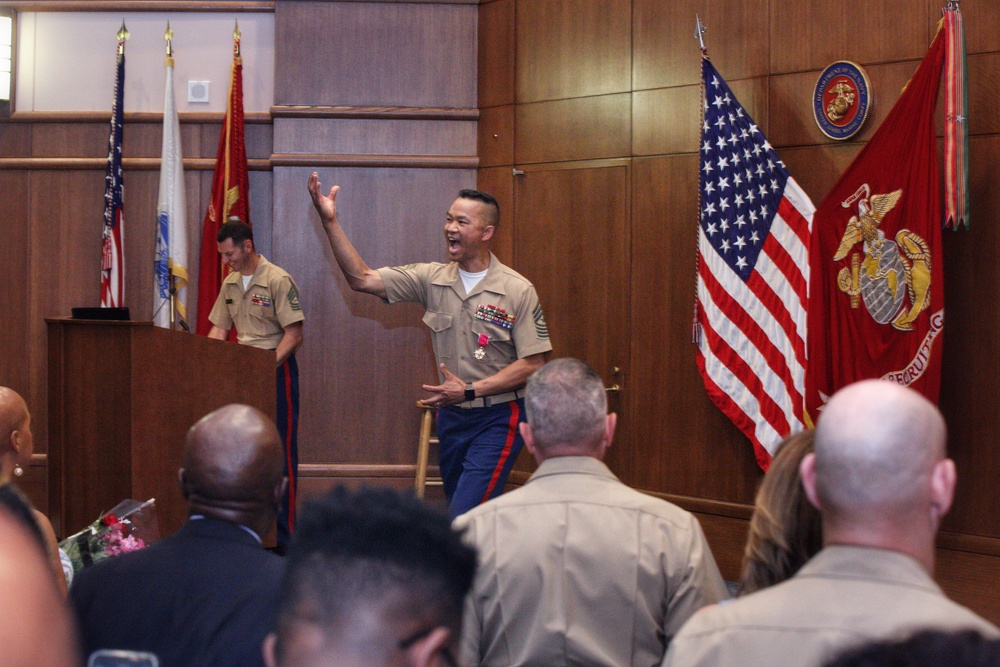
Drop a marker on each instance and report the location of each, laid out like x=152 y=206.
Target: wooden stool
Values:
x=423 y=451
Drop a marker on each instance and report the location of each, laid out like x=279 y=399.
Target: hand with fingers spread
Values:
x=326 y=205
x=450 y=392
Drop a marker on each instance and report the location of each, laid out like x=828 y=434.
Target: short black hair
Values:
x=928 y=648
x=492 y=207
x=235 y=229
x=355 y=552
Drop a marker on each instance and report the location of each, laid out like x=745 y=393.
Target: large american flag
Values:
x=112 y=258
x=753 y=274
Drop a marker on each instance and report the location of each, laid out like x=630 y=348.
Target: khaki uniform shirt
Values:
x=844 y=597
x=578 y=569
x=263 y=310
x=503 y=307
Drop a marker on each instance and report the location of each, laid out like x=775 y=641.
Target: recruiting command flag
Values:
x=876 y=306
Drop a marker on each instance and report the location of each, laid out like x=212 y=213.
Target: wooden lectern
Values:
x=122 y=396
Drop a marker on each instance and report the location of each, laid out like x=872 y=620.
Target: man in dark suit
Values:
x=205 y=595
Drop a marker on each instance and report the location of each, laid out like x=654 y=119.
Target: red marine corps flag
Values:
x=876 y=306
x=230 y=195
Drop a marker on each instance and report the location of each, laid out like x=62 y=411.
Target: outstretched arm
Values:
x=358 y=275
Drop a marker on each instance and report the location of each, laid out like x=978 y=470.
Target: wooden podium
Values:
x=122 y=396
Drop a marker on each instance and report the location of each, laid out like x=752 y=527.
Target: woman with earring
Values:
x=16 y=448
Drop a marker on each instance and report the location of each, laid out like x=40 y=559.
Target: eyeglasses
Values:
x=446 y=654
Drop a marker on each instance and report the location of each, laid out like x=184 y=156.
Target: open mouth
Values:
x=454 y=244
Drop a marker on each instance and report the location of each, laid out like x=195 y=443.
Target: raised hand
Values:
x=326 y=205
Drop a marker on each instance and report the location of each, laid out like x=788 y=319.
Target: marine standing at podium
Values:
x=262 y=301
x=489 y=336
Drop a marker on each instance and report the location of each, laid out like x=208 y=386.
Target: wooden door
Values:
x=571 y=240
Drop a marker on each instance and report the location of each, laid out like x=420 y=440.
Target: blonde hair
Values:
x=785 y=529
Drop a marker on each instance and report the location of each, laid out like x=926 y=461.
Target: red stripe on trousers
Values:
x=289 y=425
x=515 y=412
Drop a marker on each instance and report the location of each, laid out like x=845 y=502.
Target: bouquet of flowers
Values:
x=129 y=526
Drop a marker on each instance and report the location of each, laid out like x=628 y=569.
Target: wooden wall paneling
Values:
x=687 y=446
x=865 y=31
x=667 y=120
x=385 y=136
x=15 y=139
x=499 y=182
x=817 y=168
x=984 y=99
x=496 y=136
x=15 y=217
x=71 y=139
x=981 y=20
x=666 y=54
x=375 y=54
x=574 y=129
x=573 y=48
x=727 y=537
x=261 y=210
x=970 y=579
x=496 y=76
x=139 y=229
x=790 y=100
x=67 y=210
x=971 y=357
x=362 y=362
x=572 y=243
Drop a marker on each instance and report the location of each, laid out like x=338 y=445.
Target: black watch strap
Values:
x=470 y=393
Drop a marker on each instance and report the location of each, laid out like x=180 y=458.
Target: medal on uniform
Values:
x=480 y=353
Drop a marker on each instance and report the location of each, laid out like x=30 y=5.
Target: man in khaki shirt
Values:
x=880 y=478
x=262 y=301
x=575 y=568
x=489 y=336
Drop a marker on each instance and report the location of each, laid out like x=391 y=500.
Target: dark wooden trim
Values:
x=333 y=470
x=395 y=113
x=598 y=163
x=255 y=118
x=129 y=163
x=976 y=544
x=394 y=161
x=242 y=6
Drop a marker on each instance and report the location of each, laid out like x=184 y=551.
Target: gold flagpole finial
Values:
x=236 y=39
x=168 y=36
x=123 y=32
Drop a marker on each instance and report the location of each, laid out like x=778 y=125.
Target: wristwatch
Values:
x=470 y=393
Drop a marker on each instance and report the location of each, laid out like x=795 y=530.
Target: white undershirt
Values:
x=246 y=281
x=470 y=280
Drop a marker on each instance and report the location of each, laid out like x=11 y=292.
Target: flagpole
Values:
x=168 y=37
x=699 y=31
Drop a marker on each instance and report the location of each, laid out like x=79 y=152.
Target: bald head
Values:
x=13 y=412
x=877 y=445
x=16 y=444
x=232 y=464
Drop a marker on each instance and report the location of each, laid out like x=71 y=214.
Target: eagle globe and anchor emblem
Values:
x=894 y=278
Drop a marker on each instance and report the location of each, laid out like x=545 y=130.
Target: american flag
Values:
x=112 y=258
x=753 y=274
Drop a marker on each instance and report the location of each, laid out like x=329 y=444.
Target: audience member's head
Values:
x=929 y=648
x=879 y=474
x=567 y=411
x=16 y=443
x=232 y=467
x=785 y=528
x=373 y=578
x=37 y=629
